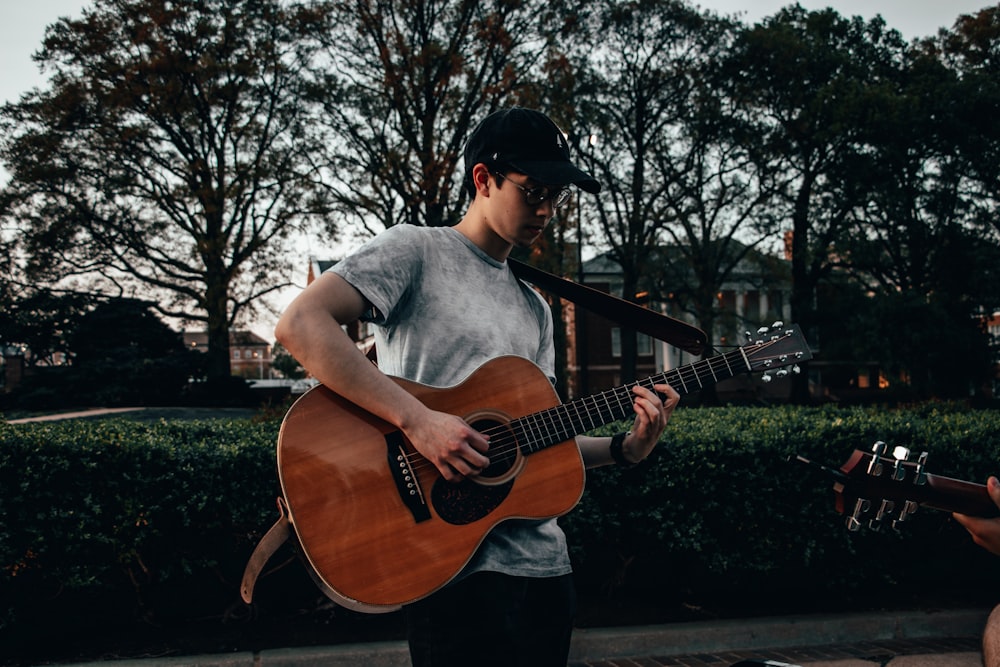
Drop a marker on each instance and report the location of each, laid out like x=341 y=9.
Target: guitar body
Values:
x=377 y=523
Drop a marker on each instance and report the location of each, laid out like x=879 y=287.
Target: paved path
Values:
x=82 y=414
x=885 y=639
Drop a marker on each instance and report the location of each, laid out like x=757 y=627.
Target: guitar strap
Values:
x=277 y=535
x=659 y=326
x=669 y=330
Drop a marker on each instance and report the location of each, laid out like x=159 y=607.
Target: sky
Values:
x=23 y=23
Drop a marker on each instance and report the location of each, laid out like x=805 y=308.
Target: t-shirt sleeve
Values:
x=383 y=269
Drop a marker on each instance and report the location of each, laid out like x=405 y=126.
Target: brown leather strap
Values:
x=657 y=325
x=277 y=535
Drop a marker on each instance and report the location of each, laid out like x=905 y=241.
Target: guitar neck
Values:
x=955 y=495
x=548 y=427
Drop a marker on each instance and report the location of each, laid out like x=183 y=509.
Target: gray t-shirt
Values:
x=443 y=307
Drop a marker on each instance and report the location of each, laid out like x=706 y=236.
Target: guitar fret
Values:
x=681 y=379
x=729 y=369
x=538 y=425
x=548 y=431
x=523 y=434
x=576 y=408
x=746 y=360
x=559 y=423
x=607 y=404
x=712 y=371
x=569 y=426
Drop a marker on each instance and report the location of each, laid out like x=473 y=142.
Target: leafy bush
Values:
x=723 y=510
x=154 y=515
x=113 y=522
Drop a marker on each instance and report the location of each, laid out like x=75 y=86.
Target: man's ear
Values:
x=481 y=179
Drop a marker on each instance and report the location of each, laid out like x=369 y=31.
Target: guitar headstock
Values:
x=878 y=487
x=775 y=347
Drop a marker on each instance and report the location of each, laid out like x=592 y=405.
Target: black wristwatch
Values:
x=617 y=440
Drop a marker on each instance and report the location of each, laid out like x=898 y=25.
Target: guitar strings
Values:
x=554 y=425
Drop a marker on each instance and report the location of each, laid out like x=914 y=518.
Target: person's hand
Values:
x=651 y=417
x=985 y=532
x=456 y=449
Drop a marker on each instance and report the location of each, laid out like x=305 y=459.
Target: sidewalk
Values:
x=886 y=639
x=82 y=414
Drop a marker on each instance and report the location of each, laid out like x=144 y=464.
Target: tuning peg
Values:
x=875 y=465
x=919 y=474
x=854 y=520
x=778 y=324
x=909 y=507
x=901 y=454
x=781 y=373
x=796 y=369
x=763 y=330
x=766 y=377
x=884 y=508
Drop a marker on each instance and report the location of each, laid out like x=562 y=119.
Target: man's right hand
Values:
x=456 y=449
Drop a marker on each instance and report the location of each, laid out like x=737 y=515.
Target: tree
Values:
x=42 y=322
x=639 y=95
x=123 y=354
x=169 y=154
x=722 y=185
x=806 y=73
x=971 y=50
x=913 y=242
x=286 y=364
x=402 y=87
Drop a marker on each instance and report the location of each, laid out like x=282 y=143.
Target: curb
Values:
x=591 y=644
x=772 y=632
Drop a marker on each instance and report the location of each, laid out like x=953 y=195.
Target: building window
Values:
x=236 y=354
x=643 y=344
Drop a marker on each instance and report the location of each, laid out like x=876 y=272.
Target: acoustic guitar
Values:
x=879 y=488
x=380 y=528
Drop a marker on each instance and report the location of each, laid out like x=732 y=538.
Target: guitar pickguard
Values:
x=467 y=501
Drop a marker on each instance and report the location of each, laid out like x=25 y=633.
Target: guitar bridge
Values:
x=407 y=484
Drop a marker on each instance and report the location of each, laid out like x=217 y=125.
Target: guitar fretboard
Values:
x=543 y=429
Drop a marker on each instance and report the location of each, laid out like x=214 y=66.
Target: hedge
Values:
x=723 y=511
x=112 y=521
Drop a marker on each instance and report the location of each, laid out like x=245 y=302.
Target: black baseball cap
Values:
x=528 y=142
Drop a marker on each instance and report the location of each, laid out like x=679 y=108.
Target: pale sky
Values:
x=23 y=22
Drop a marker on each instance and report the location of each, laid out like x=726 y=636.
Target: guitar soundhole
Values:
x=503 y=452
x=472 y=499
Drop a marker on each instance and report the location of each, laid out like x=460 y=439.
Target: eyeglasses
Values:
x=536 y=195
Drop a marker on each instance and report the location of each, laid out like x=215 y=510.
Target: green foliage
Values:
x=132 y=510
x=719 y=510
x=157 y=520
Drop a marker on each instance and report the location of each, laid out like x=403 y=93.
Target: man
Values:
x=445 y=301
x=986 y=533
